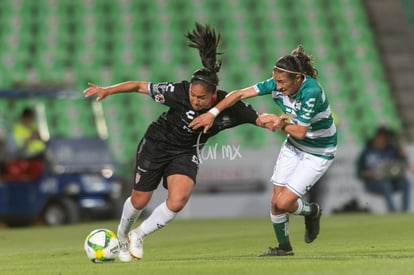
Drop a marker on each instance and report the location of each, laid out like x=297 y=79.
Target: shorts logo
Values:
x=195 y=159
x=159 y=98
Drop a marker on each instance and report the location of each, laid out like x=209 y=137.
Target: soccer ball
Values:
x=101 y=245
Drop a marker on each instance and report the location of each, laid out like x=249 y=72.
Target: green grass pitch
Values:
x=348 y=244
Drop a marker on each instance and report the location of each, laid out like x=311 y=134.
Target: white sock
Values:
x=300 y=207
x=280 y=218
x=158 y=219
x=304 y=208
x=128 y=217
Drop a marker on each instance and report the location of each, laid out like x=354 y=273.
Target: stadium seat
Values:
x=105 y=41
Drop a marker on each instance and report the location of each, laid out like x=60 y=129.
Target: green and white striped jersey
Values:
x=309 y=107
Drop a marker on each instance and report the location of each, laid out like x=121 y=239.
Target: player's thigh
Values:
x=179 y=178
x=308 y=171
x=180 y=188
x=287 y=161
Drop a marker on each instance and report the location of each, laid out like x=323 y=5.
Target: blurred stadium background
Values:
x=363 y=49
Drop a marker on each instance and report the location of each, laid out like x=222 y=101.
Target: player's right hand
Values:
x=93 y=89
x=205 y=120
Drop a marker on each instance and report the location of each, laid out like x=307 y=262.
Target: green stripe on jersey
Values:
x=309 y=107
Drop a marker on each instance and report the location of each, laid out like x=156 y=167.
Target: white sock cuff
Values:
x=300 y=207
x=167 y=212
x=130 y=208
x=281 y=218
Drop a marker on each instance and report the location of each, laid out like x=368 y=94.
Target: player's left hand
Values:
x=271 y=121
x=205 y=120
x=93 y=89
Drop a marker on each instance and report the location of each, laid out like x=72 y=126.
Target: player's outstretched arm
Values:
x=124 y=87
x=206 y=120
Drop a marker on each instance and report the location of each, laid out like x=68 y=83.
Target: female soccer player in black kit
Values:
x=169 y=148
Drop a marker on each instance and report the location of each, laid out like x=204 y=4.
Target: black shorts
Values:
x=154 y=161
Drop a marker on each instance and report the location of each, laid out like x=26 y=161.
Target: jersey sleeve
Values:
x=163 y=92
x=239 y=113
x=246 y=112
x=265 y=87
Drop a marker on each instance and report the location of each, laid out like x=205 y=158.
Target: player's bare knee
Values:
x=176 y=204
x=176 y=208
x=283 y=205
x=140 y=200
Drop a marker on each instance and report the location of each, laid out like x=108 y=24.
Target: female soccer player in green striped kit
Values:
x=308 y=150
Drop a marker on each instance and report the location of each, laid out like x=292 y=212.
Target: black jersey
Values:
x=171 y=128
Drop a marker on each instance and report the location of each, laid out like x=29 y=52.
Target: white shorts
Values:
x=298 y=170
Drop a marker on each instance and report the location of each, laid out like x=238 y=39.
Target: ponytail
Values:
x=204 y=39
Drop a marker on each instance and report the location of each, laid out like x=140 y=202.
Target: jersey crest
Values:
x=159 y=98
